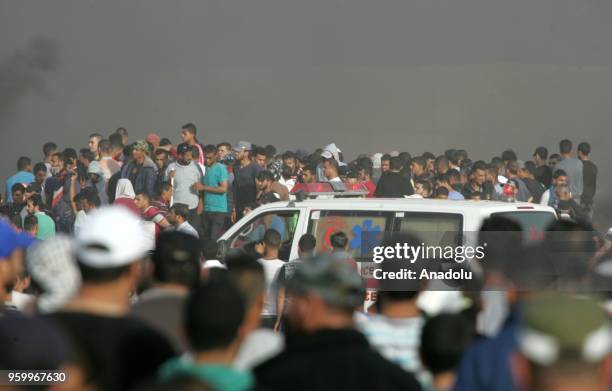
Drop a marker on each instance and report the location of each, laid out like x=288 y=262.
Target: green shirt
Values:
x=46 y=226
x=215 y=202
x=219 y=377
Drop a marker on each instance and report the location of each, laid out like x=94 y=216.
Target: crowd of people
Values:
x=85 y=293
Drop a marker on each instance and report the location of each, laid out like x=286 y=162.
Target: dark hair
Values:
x=213 y=314
x=478 y=165
x=264 y=175
x=530 y=167
x=40 y=167
x=91 y=196
x=30 y=222
x=96 y=135
x=386 y=157
x=542 y=152
x=441 y=191
x=333 y=163
x=69 y=153
x=121 y=131
x=338 y=240
x=191 y=128
x=161 y=151
x=426 y=185
x=307 y=243
x=248 y=275
x=36 y=200
x=272 y=238
x=224 y=144
x=164 y=141
x=508 y=155
x=428 y=156
x=104 y=146
x=181 y=210
x=49 y=148
x=584 y=148
x=565 y=146
x=311 y=168
x=270 y=151
x=259 y=151
x=406 y=158
x=209 y=148
x=396 y=163
x=143 y=193
x=115 y=140
x=288 y=155
x=365 y=162
x=444 y=338
x=100 y=275
x=176 y=259
x=419 y=160
x=87 y=154
x=559 y=173
x=23 y=163
x=164 y=186
x=18 y=187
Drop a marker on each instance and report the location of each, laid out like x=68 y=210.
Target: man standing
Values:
x=141 y=171
x=393 y=184
x=573 y=167
x=478 y=176
x=24 y=176
x=46 y=225
x=549 y=197
x=121 y=351
x=589 y=174
x=543 y=172
x=186 y=173
x=245 y=171
x=266 y=184
x=324 y=346
x=330 y=170
x=189 y=136
x=214 y=187
x=12 y=246
x=94 y=140
x=109 y=166
x=271 y=264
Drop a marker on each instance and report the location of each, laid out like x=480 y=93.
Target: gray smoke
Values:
x=24 y=72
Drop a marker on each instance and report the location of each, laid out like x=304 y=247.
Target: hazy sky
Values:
x=371 y=76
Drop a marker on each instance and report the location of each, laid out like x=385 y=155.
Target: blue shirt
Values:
x=20 y=177
x=455 y=195
x=215 y=202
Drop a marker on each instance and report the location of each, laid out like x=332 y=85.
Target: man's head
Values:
x=185 y=153
x=165 y=191
x=324 y=295
x=527 y=170
x=396 y=164
x=559 y=177
x=210 y=155
x=339 y=241
x=188 y=133
x=418 y=166
x=565 y=147
x=385 y=162
x=57 y=162
x=48 y=149
x=34 y=203
x=444 y=338
x=306 y=246
x=441 y=165
x=224 y=149
x=584 y=150
x=18 y=193
x=12 y=246
x=508 y=156
x=178 y=214
x=161 y=158
x=142 y=200
x=24 y=163
x=94 y=140
x=242 y=150
x=102 y=254
x=214 y=313
x=272 y=242
x=95 y=172
x=259 y=157
x=86 y=157
x=104 y=148
x=309 y=174
x=423 y=188
x=250 y=279
x=330 y=168
x=30 y=225
x=441 y=193
x=140 y=150
x=478 y=173
x=264 y=180
x=554 y=159
x=124 y=135
x=40 y=172
x=89 y=200
x=540 y=155
x=176 y=259
x=289 y=160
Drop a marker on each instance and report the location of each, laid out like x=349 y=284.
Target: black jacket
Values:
x=332 y=360
x=393 y=185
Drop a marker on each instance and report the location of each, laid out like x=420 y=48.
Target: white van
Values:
x=436 y=222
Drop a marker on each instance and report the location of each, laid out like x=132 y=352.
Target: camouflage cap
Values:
x=338 y=283
x=559 y=326
x=141 y=144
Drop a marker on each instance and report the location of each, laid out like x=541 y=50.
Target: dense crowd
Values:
x=109 y=269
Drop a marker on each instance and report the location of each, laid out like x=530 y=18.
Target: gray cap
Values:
x=242 y=146
x=337 y=282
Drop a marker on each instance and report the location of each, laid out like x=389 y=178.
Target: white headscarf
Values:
x=124 y=189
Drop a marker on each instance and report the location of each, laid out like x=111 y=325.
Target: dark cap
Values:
x=182 y=148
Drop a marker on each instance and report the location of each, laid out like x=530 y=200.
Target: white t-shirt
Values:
x=188 y=229
x=271 y=268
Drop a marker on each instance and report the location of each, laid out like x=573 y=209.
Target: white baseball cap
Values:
x=111 y=236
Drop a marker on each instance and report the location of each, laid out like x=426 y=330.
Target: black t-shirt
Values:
x=543 y=174
x=393 y=185
x=117 y=352
x=589 y=180
x=536 y=188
